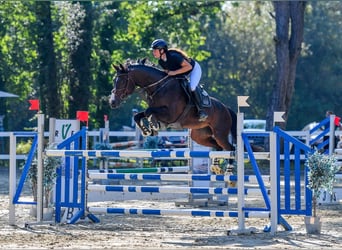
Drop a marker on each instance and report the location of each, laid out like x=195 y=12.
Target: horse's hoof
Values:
x=154 y=133
x=216 y=169
x=146 y=133
x=154 y=126
x=230 y=168
x=231 y=183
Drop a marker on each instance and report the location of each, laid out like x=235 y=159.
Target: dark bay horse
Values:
x=169 y=105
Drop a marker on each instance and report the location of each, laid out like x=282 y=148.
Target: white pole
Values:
x=52 y=130
x=12 y=178
x=240 y=173
x=40 y=167
x=273 y=182
x=332 y=134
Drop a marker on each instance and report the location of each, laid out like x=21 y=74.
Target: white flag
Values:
x=242 y=101
x=278 y=117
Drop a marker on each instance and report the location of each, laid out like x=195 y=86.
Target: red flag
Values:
x=82 y=116
x=34 y=104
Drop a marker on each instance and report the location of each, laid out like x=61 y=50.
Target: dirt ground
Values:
x=161 y=232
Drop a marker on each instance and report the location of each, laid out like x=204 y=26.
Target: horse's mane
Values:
x=141 y=62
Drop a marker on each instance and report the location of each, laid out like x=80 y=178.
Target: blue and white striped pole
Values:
x=141 y=153
x=177 y=212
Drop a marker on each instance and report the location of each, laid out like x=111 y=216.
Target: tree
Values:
x=241 y=61
x=289 y=16
x=47 y=75
x=80 y=55
x=18 y=61
x=318 y=78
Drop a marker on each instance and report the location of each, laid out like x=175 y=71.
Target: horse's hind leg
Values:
x=204 y=136
x=222 y=137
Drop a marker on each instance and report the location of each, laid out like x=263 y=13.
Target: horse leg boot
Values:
x=198 y=102
x=154 y=124
x=144 y=125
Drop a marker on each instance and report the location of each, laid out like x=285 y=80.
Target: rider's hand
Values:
x=171 y=73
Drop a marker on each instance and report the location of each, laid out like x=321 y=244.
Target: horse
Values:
x=170 y=106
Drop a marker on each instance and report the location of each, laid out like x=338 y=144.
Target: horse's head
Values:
x=123 y=86
x=134 y=74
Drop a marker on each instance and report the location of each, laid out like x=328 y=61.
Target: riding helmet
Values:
x=159 y=44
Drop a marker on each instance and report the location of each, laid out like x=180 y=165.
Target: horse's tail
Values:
x=234 y=124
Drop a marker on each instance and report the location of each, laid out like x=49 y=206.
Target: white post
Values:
x=52 y=130
x=332 y=134
x=12 y=178
x=40 y=167
x=273 y=182
x=240 y=172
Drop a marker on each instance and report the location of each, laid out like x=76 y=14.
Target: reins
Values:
x=156 y=83
x=145 y=88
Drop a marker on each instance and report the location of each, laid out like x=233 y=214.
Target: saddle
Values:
x=205 y=98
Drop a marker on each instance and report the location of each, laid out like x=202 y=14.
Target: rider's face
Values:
x=156 y=53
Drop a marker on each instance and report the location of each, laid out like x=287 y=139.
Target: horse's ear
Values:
x=115 y=67
x=122 y=67
x=143 y=61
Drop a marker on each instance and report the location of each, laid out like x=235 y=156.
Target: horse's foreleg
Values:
x=142 y=122
x=152 y=114
x=154 y=124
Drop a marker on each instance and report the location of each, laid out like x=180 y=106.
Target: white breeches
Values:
x=195 y=76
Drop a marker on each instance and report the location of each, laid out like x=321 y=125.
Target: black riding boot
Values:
x=198 y=102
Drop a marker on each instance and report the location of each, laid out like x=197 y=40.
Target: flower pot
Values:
x=33 y=211
x=47 y=213
x=313 y=224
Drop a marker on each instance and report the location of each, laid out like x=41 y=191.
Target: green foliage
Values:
x=322 y=170
x=24 y=147
x=18 y=56
x=318 y=74
x=233 y=41
x=50 y=164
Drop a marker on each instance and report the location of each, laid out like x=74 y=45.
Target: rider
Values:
x=176 y=62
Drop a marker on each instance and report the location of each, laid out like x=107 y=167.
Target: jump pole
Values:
x=12 y=177
x=40 y=170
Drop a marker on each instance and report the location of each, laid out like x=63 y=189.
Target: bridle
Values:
x=123 y=92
